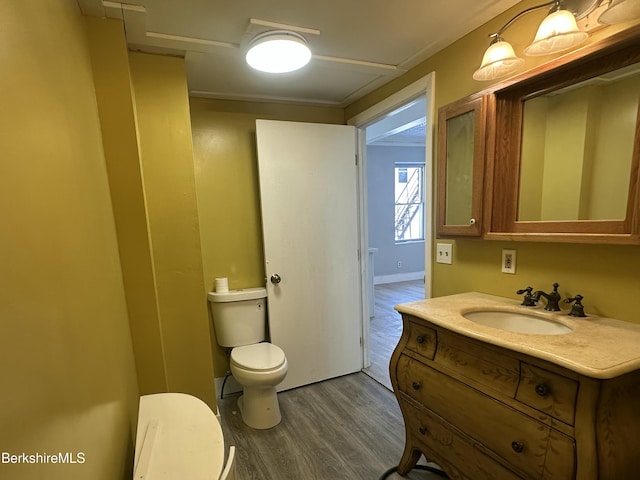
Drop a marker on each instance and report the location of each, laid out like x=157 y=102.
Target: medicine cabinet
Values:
x=566 y=150
x=461 y=155
x=551 y=155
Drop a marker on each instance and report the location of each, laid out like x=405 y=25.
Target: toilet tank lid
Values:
x=238 y=295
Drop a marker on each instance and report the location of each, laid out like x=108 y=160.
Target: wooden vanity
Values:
x=485 y=403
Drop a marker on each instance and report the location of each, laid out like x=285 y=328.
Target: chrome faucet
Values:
x=553 y=298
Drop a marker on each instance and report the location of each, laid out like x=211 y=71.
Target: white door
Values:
x=310 y=226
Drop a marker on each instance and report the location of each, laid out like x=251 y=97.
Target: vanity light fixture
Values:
x=498 y=60
x=620 y=11
x=557 y=32
x=278 y=51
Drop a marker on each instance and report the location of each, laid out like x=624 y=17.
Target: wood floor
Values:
x=346 y=428
x=386 y=325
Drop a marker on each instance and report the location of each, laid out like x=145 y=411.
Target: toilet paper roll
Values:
x=222 y=285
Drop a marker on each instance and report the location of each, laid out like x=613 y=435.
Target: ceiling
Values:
x=357 y=45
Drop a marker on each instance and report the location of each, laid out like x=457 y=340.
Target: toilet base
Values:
x=259 y=407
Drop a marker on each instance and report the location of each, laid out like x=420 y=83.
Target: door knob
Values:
x=276 y=279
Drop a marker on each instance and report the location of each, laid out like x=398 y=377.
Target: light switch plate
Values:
x=443 y=253
x=508 y=261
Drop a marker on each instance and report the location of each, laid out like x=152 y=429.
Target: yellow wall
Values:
x=164 y=133
x=607 y=275
x=228 y=192
x=66 y=361
x=613 y=154
x=110 y=59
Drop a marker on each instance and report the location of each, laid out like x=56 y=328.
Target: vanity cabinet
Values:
x=482 y=411
x=461 y=154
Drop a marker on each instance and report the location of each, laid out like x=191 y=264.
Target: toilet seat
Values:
x=259 y=357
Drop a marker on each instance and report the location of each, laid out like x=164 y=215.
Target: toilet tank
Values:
x=239 y=316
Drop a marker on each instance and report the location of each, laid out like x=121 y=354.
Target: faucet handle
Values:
x=528 y=300
x=577 y=309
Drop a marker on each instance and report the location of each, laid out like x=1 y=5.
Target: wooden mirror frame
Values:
x=505 y=117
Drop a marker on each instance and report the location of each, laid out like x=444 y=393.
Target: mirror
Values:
x=459 y=168
x=461 y=152
x=577 y=149
x=564 y=148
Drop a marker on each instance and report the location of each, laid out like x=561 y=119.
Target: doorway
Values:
x=396 y=191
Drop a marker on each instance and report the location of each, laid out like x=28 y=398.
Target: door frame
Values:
x=423 y=86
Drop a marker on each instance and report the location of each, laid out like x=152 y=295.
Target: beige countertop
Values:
x=597 y=347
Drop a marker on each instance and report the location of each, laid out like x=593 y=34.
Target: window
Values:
x=409 y=193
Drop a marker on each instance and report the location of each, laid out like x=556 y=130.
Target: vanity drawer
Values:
x=481 y=367
x=451 y=449
x=520 y=440
x=421 y=339
x=548 y=392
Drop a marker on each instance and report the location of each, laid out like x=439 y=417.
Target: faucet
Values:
x=553 y=298
x=577 y=309
x=528 y=300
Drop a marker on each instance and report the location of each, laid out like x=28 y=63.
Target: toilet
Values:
x=239 y=320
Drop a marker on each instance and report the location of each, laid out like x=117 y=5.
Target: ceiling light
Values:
x=278 y=51
x=620 y=11
x=557 y=32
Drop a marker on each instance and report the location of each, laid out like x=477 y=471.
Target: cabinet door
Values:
x=461 y=154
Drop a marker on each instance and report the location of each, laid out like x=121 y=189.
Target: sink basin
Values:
x=518 y=322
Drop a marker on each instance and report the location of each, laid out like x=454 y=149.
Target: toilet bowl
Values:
x=259 y=368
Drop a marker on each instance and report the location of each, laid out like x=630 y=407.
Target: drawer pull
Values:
x=416 y=385
x=420 y=339
x=542 y=389
x=423 y=430
x=517 y=447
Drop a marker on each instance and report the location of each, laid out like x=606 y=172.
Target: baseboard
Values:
x=398 y=277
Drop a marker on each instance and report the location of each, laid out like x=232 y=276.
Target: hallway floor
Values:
x=386 y=325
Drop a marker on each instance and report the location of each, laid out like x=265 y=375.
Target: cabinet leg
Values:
x=409 y=459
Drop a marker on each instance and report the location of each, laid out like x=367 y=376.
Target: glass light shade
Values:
x=557 y=32
x=620 y=11
x=278 y=52
x=498 y=61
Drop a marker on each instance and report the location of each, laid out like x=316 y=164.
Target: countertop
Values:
x=597 y=347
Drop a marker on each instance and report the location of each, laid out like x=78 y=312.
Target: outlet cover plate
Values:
x=509 y=261
x=443 y=253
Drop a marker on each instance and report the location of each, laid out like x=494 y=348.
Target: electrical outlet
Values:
x=400 y=264
x=508 y=261
x=443 y=253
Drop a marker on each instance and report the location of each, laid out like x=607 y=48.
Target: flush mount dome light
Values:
x=278 y=51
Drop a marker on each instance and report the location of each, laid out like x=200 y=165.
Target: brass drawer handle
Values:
x=423 y=430
x=517 y=447
x=416 y=385
x=542 y=389
x=420 y=339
